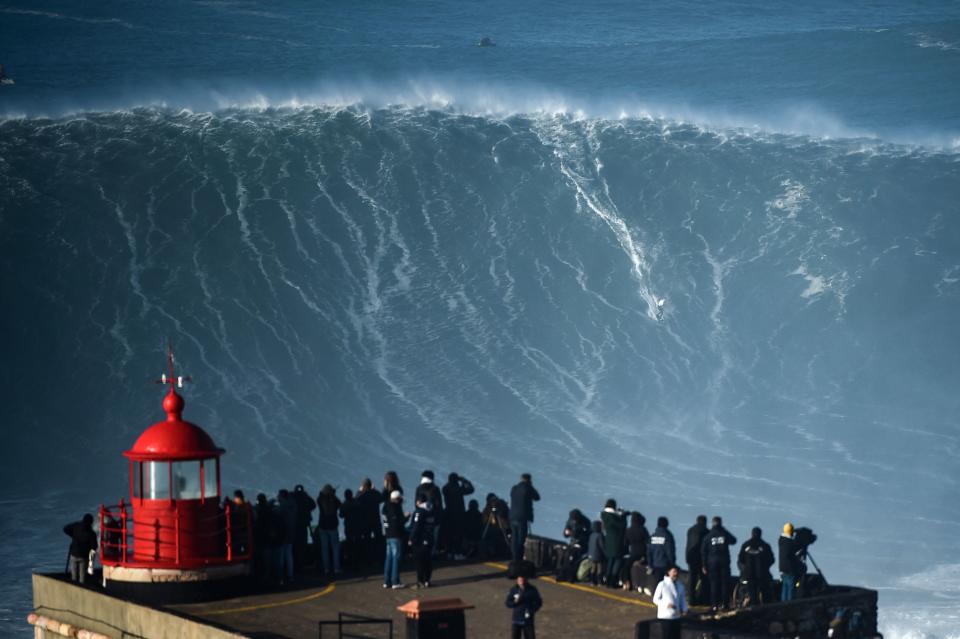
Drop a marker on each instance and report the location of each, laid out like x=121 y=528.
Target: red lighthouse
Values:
x=173 y=538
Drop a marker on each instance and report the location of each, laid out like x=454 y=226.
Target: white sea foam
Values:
x=502 y=101
x=924 y=605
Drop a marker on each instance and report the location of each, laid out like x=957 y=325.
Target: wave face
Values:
x=357 y=289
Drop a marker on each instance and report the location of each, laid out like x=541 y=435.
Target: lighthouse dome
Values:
x=173 y=438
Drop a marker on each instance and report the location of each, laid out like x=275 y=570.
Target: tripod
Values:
x=496 y=524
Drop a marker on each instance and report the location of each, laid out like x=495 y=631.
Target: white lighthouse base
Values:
x=172 y=585
x=175 y=575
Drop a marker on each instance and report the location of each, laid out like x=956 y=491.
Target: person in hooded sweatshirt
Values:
x=429 y=491
x=637 y=540
x=422 y=533
x=670 y=596
x=83 y=541
x=695 y=535
x=715 y=554
x=614 y=529
x=662 y=549
x=395 y=522
x=754 y=560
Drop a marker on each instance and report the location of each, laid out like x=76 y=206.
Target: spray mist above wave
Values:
x=463 y=97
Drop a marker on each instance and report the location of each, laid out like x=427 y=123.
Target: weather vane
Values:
x=171 y=378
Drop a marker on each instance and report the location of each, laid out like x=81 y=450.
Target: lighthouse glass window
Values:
x=210 y=478
x=186 y=480
x=156 y=480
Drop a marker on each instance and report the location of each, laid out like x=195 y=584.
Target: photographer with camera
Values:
x=496 y=526
x=791 y=566
x=453 y=517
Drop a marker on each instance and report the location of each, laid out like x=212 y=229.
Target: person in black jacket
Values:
x=637 y=540
x=614 y=523
x=394 y=525
x=453 y=492
x=263 y=547
x=372 y=533
x=328 y=529
x=472 y=528
x=83 y=541
x=790 y=563
x=240 y=518
x=305 y=505
x=286 y=509
x=522 y=497
x=695 y=584
x=577 y=529
x=422 y=534
x=754 y=561
x=496 y=525
x=662 y=550
x=351 y=511
x=525 y=601
x=429 y=491
x=715 y=554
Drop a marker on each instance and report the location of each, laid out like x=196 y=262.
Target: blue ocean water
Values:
x=376 y=245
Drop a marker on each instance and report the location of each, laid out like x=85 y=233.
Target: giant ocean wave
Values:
x=371 y=287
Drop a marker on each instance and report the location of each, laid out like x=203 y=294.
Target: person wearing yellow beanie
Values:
x=789 y=563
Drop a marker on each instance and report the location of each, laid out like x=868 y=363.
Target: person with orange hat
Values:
x=790 y=568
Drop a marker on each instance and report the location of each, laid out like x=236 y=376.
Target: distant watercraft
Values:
x=7 y=81
x=486 y=42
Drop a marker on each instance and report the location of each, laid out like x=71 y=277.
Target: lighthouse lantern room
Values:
x=173 y=529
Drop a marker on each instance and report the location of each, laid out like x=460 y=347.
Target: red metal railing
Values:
x=121 y=545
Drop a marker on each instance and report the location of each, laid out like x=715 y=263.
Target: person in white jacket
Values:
x=670 y=597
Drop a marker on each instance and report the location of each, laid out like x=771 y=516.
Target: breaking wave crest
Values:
x=414 y=287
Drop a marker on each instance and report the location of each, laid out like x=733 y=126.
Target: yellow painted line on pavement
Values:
x=592 y=591
x=272 y=604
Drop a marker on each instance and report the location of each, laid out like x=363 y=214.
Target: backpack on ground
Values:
x=583 y=570
x=566 y=565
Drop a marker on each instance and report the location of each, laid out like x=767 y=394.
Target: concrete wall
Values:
x=91 y=609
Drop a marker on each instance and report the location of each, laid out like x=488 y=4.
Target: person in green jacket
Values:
x=614 y=529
